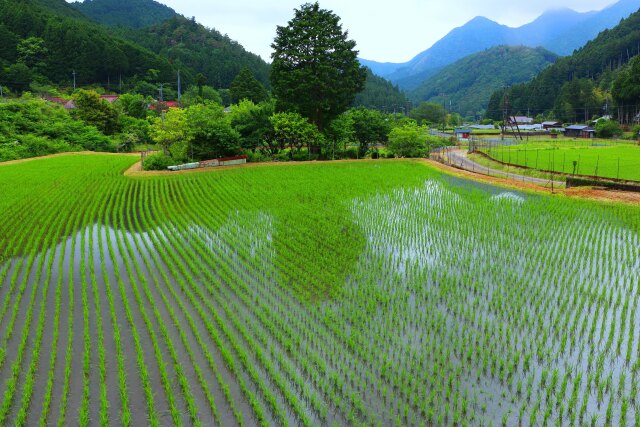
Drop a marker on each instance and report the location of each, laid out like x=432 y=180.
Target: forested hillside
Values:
x=468 y=83
x=579 y=86
x=47 y=41
x=381 y=94
x=195 y=48
x=129 y=13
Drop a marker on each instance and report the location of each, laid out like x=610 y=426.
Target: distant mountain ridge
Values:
x=596 y=66
x=468 y=83
x=560 y=31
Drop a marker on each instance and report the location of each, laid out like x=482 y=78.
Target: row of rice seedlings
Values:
x=128 y=253
x=64 y=397
x=152 y=412
x=83 y=416
x=29 y=381
x=49 y=242
x=250 y=367
x=141 y=245
x=125 y=412
x=214 y=334
x=237 y=281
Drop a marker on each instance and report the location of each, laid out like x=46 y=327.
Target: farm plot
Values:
x=601 y=159
x=332 y=294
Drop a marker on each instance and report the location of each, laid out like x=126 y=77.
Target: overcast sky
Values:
x=385 y=31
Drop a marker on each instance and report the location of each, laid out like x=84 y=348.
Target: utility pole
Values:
x=74 y=80
x=505 y=112
x=120 y=84
x=178 y=85
x=160 y=90
x=444 y=113
x=506 y=117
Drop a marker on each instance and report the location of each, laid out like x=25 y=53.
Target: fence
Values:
x=451 y=156
x=592 y=164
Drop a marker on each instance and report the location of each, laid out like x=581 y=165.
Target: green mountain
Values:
x=50 y=39
x=381 y=94
x=560 y=31
x=576 y=86
x=62 y=40
x=468 y=83
x=130 y=13
x=195 y=48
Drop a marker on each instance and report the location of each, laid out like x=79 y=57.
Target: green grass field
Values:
x=593 y=158
x=337 y=293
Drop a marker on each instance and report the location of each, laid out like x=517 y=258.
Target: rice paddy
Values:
x=364 y=293
x=599 y=158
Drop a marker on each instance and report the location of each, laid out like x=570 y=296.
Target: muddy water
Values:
x=440 y=241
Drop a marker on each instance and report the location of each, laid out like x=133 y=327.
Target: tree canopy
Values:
x=246 y=86
x=369 y=127
x=315 y=70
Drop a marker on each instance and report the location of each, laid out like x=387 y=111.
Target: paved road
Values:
x=459 y=158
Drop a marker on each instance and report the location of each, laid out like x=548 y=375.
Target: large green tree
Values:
x=253 y=122
x=210 y=132
x=246 y=86
x=293 y=130
x=428 y=113
x=408 y=141
x=315 y=69
x=93 y=110
x=369 y=127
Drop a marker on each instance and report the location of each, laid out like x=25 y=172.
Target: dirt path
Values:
x=459 y=157
x=136 y=169
x=68 y=153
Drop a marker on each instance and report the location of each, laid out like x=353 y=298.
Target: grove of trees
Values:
x=306 y=113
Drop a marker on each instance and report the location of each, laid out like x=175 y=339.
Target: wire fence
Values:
x=455 y=157
x=618 y=162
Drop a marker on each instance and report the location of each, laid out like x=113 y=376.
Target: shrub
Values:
x=158 y=161
x=408 y=141
x=256 y=156
x=608 y=129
